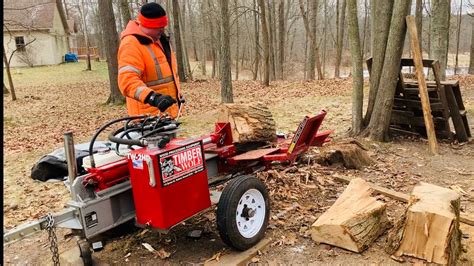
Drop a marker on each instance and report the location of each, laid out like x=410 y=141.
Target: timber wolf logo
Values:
x=168 y=167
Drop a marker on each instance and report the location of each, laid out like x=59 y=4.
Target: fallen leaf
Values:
x=291 y=239
x=255 y=260
x=163 y=254
x=215 y=257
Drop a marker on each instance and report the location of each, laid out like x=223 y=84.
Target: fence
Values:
x=82 y=52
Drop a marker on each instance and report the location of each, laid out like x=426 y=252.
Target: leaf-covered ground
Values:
x=53 y=100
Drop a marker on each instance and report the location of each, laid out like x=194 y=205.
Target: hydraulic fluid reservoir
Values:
x=169 y=185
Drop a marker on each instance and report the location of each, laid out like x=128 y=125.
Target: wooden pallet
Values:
x=445 y=102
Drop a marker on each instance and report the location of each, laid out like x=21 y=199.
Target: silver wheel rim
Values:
x=250 y=213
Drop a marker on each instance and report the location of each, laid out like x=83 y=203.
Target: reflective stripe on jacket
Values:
x=143 y=68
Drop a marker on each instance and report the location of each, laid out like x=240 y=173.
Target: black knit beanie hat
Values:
x=152 y=10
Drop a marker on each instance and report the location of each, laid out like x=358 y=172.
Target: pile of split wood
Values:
x=429 y=229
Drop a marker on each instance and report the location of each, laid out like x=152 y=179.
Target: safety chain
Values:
x=53 y=240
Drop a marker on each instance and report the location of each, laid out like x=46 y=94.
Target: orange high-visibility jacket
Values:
x=144 y=66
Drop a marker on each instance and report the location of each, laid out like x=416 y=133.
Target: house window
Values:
x=20 y=43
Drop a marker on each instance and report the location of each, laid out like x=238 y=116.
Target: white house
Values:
x=35 y=32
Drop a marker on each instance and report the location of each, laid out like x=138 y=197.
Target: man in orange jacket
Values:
x=148 y=75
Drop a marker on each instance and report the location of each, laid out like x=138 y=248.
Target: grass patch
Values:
x=9 y=121
x=59 y=74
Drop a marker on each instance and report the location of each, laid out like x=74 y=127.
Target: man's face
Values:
x=154 y=33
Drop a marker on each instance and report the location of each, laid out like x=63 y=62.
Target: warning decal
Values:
x=178 y=164
x=297 y=135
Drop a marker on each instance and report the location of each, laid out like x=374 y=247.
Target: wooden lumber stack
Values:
x=354 y=221
x=249 y=123
x=430 y=228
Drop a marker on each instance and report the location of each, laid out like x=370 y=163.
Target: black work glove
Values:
x=162 y=102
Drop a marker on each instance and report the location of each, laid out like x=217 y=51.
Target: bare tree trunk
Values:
x=63 y=16
x=178 y=43
x=340 y=37
x=372 y=25
x=237 y=41
x=311 y=27
x=357 y=67
x=366 y=14
x=182 y=21
x=313 y=51
x=217 y=48
x=271 y=33
x=471 y=57
x=125 y=11
x=86 y=36
x=382 y=15
x=380 y=120
x=428 y=46
x=9 y=75
x=440 y=33
x=111 y=41
x=213 y=45
x=66 y=10
x=266 y=44
x=458 y=37
x=306 y=56
x=119 y=16
x=282 y=36
x=203 y=36
x=325 y=30
x=419 y=21
x=315 y=62
x=243 y=57
x=257 y=41
x=193 y=32
x=214 y=62
x=226 y=75
x=293 y=37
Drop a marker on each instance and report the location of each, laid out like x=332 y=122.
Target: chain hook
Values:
x=53 y=240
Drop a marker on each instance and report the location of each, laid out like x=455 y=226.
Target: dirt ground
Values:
x=34 y=126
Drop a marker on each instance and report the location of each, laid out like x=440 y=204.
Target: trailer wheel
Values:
x=242 y=212
x=85 y=251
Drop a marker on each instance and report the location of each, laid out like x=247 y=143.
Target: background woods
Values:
x=292 y=58
x=267 y=41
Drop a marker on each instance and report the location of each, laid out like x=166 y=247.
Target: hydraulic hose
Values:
x=102 y=128
x=130 y=142
x=124 y=133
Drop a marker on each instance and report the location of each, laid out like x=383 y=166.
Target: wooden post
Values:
x=425 y=101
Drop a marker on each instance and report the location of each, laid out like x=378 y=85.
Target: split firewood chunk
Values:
x=431 y=229
x=354 y=221
x=249 y=122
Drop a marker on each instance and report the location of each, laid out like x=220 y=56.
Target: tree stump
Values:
x=249 y=123
x=354 y=221
x=430 y=230
x=349 y=153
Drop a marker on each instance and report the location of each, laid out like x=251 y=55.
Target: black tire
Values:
x=86 y=252
x=227 y=211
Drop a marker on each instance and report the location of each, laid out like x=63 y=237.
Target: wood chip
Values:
x=148 y=247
